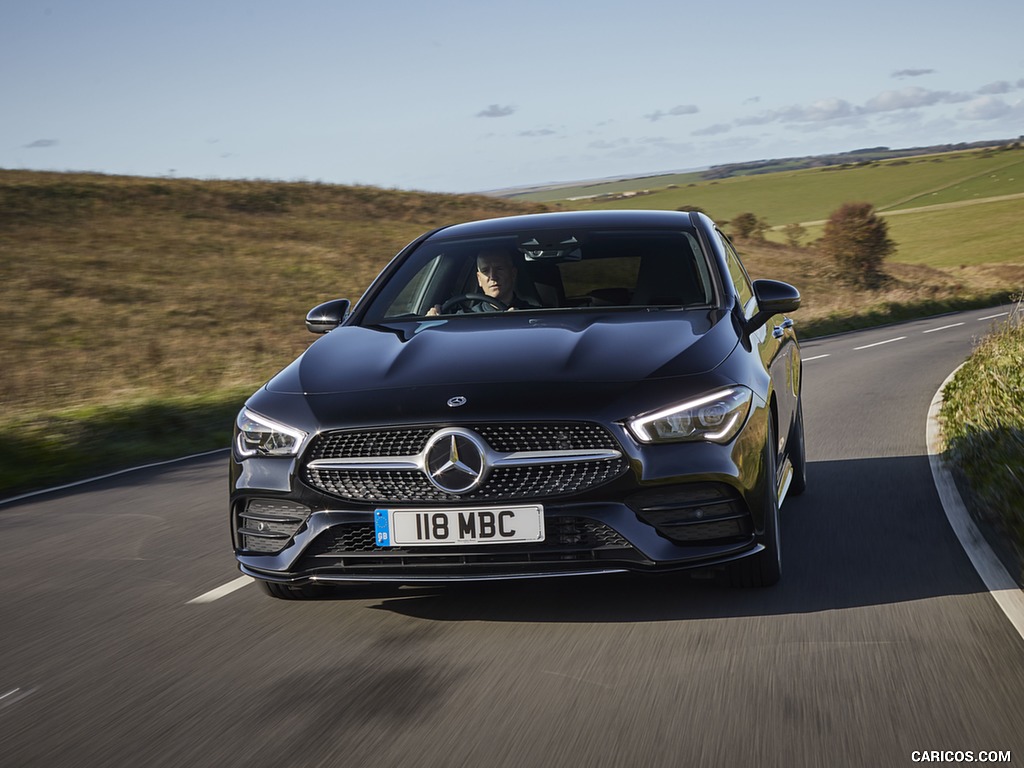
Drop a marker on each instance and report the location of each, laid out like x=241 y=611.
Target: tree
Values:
x=747 y=225
x=857 y=239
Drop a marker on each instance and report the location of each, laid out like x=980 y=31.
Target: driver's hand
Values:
x=434 y=310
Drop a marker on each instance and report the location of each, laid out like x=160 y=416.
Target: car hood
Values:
x=549 y=349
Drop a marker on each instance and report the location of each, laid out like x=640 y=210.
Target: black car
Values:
x=542 y=395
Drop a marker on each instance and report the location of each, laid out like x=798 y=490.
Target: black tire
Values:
x=765 y=568
x=798 y=453
x=293 y=592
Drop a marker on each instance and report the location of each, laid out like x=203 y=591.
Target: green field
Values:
x=811 y=195
x=944 y=210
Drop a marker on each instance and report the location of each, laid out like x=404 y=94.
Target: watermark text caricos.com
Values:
x=960 y=756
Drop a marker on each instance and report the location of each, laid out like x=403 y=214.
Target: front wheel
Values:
x=765 y=568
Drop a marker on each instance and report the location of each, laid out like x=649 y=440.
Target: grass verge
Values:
x=983 y=422
x=896 y=312
x=58 y=447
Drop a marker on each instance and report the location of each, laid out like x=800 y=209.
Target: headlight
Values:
x=259 y=436
x=716 y=417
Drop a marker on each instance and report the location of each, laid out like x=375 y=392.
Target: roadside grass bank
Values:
x=983 y=426
x=888 y=312
x=51 y=449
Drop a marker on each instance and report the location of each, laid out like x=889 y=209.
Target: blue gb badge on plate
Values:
x=382 y=531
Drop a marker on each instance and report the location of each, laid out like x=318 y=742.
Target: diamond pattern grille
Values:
x=558 y=478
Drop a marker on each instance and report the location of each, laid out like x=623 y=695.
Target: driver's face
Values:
x=496 y=275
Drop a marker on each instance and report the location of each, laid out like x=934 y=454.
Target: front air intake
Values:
x=267 y=526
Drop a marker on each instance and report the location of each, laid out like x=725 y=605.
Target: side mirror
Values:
x=327 y=316
x=773 y=298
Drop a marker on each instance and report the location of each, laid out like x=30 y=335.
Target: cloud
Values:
x=681 y=109
x=496 y=110
x=761 y=119
x=821 y=111
x=900 y=73
x=826 y=112
x=712 y=130
x=539 y=132
x=912 y=98
x=831 y=110
x=985 y=108
x=1000 y=86
x=41 y=144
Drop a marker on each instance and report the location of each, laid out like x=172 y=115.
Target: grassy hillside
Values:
x=117 y=288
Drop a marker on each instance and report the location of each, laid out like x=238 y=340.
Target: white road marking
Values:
x=997 y=580
x=993 y=317
x=14 y=695
x=221 y=591
x=943 y=328
x=880 y=343
x=816 y=357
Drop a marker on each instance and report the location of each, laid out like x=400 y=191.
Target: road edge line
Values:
x=116 y=473
x=997 y=580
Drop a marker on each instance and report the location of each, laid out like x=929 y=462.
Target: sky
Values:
x=470 y=96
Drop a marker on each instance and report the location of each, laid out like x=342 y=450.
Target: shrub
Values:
x=747 y=225
x=857 y=240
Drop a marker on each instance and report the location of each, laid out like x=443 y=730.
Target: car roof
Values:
x=568 y=220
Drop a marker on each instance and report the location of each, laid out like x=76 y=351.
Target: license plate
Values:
x=472 y=525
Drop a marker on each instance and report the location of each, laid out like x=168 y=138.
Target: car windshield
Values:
x=547 y=270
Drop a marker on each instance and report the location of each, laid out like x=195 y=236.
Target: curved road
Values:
x=879 y=643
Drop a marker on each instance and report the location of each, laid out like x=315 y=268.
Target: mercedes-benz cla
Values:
x=546 y=395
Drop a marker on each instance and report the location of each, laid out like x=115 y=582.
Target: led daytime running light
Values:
x=694 y=420
x=257 y=435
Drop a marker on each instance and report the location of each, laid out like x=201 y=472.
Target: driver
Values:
x=496 y=275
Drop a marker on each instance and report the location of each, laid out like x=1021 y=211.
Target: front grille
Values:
x=557 y=477
x=393 y=442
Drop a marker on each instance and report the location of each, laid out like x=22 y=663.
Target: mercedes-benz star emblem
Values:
x=455 y=460
x=456 y=401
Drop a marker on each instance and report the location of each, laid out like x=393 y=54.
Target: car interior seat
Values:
x=668 y=278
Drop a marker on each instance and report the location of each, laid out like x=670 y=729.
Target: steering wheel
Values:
x=465 y=299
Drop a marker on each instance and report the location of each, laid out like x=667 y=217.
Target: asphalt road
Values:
x=879 y=642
